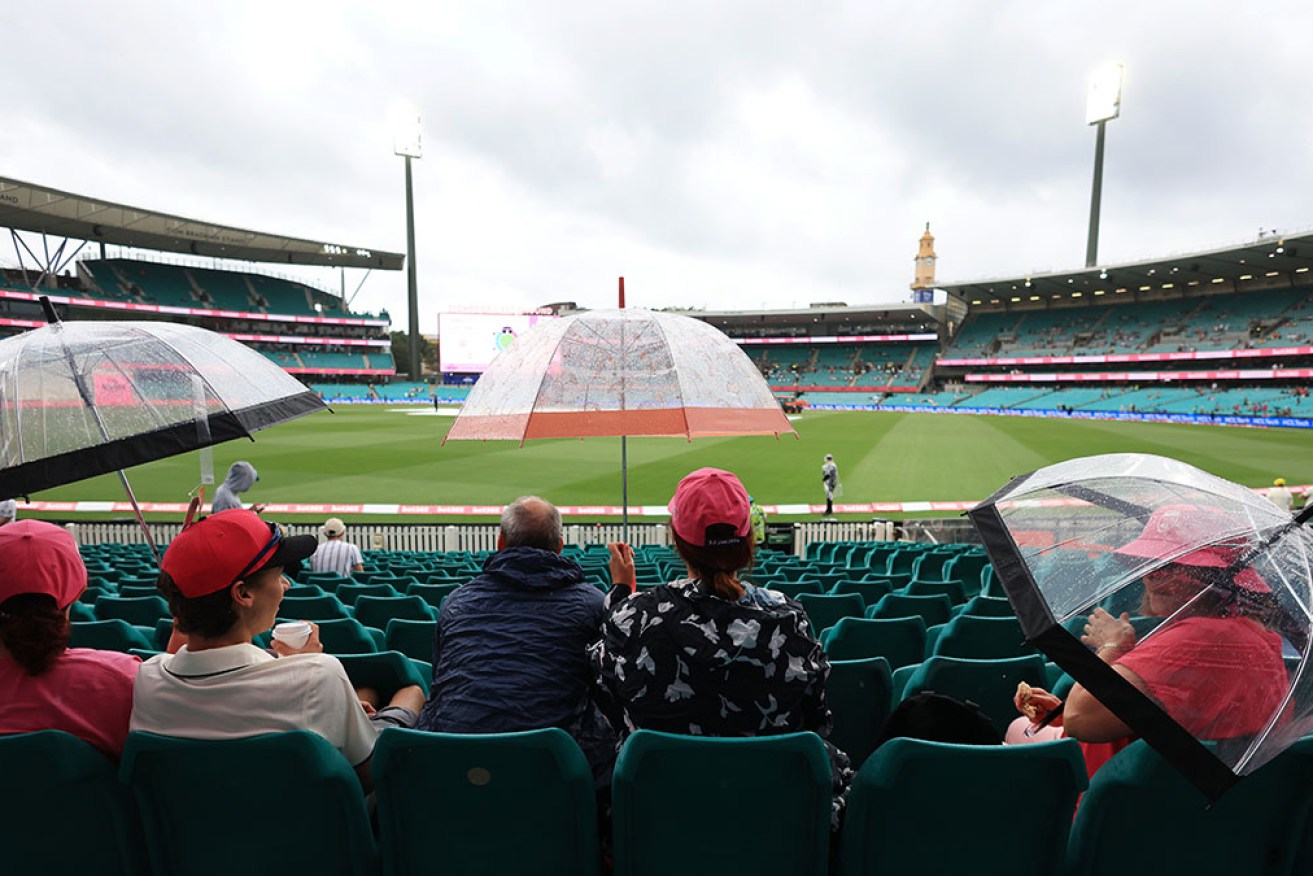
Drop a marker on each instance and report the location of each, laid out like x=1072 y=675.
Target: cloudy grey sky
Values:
x=728 y=154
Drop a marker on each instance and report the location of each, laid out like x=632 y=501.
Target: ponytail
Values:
x=34 y=631
x=718 y=567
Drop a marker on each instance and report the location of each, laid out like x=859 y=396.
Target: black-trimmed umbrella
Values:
x=80 y=399
x=1217 y=580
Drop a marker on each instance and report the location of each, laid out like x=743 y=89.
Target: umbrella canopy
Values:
x=85 y=398
x=1217 y=580
x=620 y=372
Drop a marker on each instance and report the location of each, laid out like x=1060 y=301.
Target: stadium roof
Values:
x=28 y=207
x=828 y=313
x=1268 y=261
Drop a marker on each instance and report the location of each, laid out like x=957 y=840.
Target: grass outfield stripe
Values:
x=365 y=454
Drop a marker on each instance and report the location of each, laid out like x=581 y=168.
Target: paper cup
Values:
x=293 y=634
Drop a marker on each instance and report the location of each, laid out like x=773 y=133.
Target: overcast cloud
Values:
x=725 y=154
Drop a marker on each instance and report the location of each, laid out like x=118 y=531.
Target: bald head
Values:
x=531 y=522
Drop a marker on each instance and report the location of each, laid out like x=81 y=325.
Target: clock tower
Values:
x=923 y=287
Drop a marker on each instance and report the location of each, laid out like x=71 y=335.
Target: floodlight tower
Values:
x=1103 y=103
x=406 y=142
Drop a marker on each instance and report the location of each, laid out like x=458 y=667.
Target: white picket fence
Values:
x=483 y=537
x=469 y=537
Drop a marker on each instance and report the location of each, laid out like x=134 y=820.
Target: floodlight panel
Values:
x=406 y=136
x=1104 y=99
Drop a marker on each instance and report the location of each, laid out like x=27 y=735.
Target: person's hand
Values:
x=312 y=645
x=1034 y=702
x=259 y=509
x=622 y=565
x=1108 y=635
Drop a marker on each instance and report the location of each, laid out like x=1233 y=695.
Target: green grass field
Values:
x=382 y=455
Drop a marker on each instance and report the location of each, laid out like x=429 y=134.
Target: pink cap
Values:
x=1173 y=528
x=40 y=557
x=710 y=497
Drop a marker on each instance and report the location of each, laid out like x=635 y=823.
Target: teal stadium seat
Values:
x=386 y=672
x=859 y=693
x=64 y=812
x=187 y=789
x=900 y=640
x=825 y=611
x=982 y=638
x=485 y=804
x=376 y=611
x=349 y=593
x=938 y=809
x=990 y=684
x=141 y=611
x=702 y=782
x=108 y=635
x=1142 y=816
x=313 y=608
x=414 y=638
x=933 y=610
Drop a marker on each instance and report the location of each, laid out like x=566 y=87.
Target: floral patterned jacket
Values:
x=680 y=659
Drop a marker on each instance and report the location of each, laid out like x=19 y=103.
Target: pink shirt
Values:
x=1218 y=677
x=87 y=693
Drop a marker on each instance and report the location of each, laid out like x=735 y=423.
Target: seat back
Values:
x=825 y=611
x=858 y=693
x=982 y=638
x=349 y=593
x=108 y=635
x=386 y=672
x=933 y=610
x=490 y=803
x=140 y=611
x=900 y=640
x=64 y=811
x=990 y=684
x=376 y=611
x=346 y=636
x=966 y=808
x=312 y=608
x=704 y=781
x=189 y=791
x=952 y=589
x=1141 y=815
x=988 y=606
x=414 y=638
x=869 y=590
x=433 y=594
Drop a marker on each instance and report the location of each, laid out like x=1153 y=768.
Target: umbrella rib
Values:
x=683 y=405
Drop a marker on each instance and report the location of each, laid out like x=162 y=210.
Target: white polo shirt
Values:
x=242 y=690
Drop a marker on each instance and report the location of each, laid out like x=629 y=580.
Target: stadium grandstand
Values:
x=229 y=280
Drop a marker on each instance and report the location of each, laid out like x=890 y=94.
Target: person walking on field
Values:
x=830 y=478
x=336 y=554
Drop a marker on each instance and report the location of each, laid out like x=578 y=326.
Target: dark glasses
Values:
x=262 y=555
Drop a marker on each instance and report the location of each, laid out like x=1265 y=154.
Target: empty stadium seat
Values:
x=141 y=611
x=1142 y=815
x=937 y=808
x=376 y=611
x=934 y=609
x=982 y=638
x=901 y=640
x=491 y=803
x=705 y=780
x=349 y=593
x=825 y=611
x=64 y=812
x=109 y=635
x=859 y=693
x=187 y=789
x=870 y=591
x=386 y=672
x=414 y=638
x=313 y=608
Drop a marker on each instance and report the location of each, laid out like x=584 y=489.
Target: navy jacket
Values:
x=511 y=653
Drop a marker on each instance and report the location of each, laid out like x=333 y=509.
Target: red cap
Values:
x=40 y=557
x=218 y=551
x=710 y=497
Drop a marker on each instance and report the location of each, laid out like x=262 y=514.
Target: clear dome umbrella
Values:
x=620 y=373
x=80 y=399
x=1218 y=586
